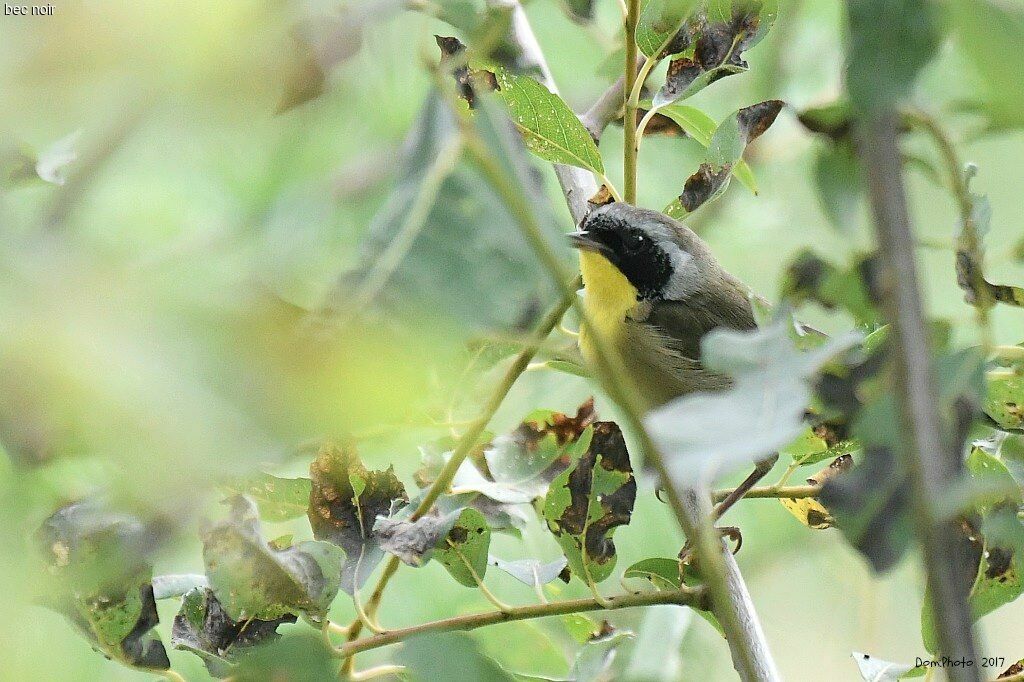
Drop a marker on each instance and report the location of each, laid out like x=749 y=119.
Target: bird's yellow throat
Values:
x=608 y=297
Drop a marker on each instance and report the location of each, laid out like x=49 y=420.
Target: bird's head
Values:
x=660 y=257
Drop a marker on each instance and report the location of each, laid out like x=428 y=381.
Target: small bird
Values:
x=653 y=288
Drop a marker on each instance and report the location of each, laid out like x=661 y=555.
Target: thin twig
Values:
x=793 y=492
x=629 y=149
x=479 y=620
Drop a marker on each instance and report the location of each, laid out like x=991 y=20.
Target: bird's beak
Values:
x=583 y=241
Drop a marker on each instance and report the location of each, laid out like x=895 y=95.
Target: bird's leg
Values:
x=761 y=470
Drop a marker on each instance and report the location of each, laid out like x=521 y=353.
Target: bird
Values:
x=653 y=289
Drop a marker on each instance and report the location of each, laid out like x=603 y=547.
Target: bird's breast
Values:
x=608 y=298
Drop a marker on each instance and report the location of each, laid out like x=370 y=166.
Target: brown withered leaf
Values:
x=344 y=503
x=757 y=118
x=839 y=465
x=703 y=185
x=467 y=79
x=602 y=197
x=661 y=124
x=1015 y=669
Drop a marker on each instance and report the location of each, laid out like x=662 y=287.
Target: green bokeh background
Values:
x=147 y=322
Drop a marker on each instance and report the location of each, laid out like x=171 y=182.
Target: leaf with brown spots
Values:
x=543 y=440
x=720 y=41
x=809 y=511
x=725 y=151
x=587 y=502
x=344 y=503
x=414 y=541
x=101 y=580
x=463 y=551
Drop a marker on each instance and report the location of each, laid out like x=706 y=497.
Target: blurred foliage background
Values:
x=155 y=326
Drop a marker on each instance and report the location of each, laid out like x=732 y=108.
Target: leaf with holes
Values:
x=701 y=128
x=543 y=437
x=463 y=551
x=588 y=501
x=550 y=128
x=344 y=504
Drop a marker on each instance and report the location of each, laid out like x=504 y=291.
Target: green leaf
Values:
x=449 y=656
x=580 y=11
x=991 y=34
x=530 y=571
x=811 y=278
x=278 y=499
x=466 y=543
x=492 y=278
x=840 y=184
x=1004 y=398
x=588 y=501
x=17 y=164
x=724 y=152
x=550 y=128
x=252 y=580
x=299 y=656
x=340 y=516
x=834 y=120
x=660 y=21
x=204 y=628
x=701 y=128
x=100 y=580
x=770 y=390
x=662 y=573
x=890 y=41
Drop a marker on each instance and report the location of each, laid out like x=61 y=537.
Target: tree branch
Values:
x=793 y=492
x=933 y=460
x=483 y=619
